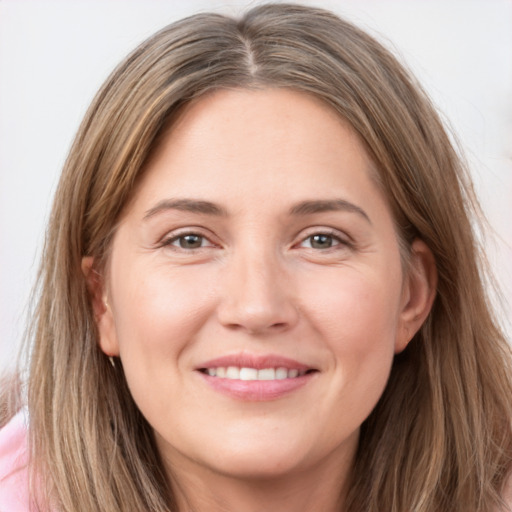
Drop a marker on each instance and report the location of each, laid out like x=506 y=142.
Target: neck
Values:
x=321 y=488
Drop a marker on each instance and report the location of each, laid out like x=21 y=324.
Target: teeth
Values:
x=281 y=373
x=233 y=372
x=248 y=374
x=267 y=374
x=236 y=373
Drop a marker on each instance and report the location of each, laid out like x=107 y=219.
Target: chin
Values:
x=263 y=467
x=262 y=458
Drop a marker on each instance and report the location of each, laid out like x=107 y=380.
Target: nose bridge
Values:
x=257 y=294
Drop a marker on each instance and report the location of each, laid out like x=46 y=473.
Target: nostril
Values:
x=256 y=329
x=235 y=327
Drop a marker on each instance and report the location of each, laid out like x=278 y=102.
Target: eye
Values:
x=320 y=241
x=188 y=241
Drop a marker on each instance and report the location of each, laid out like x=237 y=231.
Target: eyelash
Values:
x=170 y=241
x=337 y=241
x=341 y=242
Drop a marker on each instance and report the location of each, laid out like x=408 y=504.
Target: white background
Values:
x=54 y=55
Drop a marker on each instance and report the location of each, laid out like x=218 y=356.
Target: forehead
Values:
x=257 y=139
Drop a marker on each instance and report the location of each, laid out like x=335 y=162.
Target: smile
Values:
x=250 y=377
x=245 y=373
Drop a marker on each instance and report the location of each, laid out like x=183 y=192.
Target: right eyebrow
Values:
x=186 y=205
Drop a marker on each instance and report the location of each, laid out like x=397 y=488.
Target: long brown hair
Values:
x=440 y=437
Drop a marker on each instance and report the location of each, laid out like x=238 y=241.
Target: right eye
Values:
x=188 y=241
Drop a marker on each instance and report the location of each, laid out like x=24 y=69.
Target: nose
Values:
x=257 y=297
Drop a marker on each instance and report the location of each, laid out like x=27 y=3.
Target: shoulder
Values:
x=14 y=481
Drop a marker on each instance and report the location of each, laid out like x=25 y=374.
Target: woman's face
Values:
x=255 y=287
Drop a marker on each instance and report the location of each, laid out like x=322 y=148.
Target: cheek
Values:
x=158 y=311
x=356 y=316
x=158 y=314
x=352 y=308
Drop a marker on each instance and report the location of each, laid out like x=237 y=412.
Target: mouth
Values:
x=246 y=373
x=255 y=378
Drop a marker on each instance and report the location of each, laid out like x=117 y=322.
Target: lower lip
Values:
x=256 y=390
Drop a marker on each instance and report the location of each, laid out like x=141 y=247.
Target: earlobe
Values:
x=101 y=309
x=418 y=293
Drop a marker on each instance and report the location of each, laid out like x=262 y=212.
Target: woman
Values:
x=261 y=289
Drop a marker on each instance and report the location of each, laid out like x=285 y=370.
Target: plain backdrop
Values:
x=54 y=55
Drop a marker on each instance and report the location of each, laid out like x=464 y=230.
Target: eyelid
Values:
x=343 y=238
x=170 y=237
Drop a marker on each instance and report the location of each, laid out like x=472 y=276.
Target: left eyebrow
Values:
x=327 y=205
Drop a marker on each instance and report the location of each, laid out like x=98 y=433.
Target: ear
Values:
x=418 y=293
x=103 y=315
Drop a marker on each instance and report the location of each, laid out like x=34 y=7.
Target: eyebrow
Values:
x=301 y=209
x=327 y=205
x=186 y=205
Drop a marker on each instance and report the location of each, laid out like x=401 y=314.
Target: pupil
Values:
x=190 y=241
x=321 y=241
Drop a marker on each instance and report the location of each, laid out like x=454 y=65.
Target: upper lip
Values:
x=258 y=362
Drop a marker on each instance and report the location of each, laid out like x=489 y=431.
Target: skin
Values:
x=258 y=283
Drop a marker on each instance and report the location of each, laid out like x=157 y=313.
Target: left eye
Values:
x=188 y=241
x=320 y=241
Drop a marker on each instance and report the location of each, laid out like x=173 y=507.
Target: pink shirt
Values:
x=14 y=491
